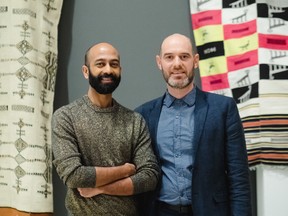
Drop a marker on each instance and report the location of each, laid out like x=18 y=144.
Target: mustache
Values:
x=102 y=76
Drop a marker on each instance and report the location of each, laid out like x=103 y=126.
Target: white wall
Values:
x=272 y=191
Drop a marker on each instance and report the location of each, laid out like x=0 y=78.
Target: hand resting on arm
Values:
x=112 y=181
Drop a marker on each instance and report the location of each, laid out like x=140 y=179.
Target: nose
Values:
x=107 y=69
x=177 y=62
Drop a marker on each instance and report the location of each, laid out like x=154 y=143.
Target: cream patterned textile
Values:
x=28 y=66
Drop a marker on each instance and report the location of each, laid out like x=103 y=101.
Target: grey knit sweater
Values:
x=85 y=136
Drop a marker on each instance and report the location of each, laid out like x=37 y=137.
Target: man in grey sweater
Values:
x=102 y=150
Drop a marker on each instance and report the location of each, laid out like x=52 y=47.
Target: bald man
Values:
x=199 y=140
x=102 y=150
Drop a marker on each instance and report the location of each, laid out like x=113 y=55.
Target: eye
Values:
x=100 y=64
x=168 y=57
x=185 y=57
x=114 y=64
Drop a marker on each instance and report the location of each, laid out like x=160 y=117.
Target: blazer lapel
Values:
x=154 y=120
x=201 y=108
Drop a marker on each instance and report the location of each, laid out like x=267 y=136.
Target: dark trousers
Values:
x=163 y=209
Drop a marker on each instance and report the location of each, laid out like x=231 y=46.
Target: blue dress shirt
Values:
x=175 y=144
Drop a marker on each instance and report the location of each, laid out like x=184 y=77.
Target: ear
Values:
x=85 y=71
x=158 y=61
x=196 y=60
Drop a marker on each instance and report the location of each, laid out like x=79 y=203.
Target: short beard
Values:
x=180 y=85
x=176 y=84
x=95 y=83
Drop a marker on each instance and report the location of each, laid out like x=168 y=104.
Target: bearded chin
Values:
x=179 y=84
x=108 y=88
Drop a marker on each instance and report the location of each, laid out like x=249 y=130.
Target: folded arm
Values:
x=123 y=187
x=106 y=175
x=145 y=178
x=68 y=159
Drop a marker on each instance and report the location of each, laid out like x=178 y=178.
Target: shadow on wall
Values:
x=61 y=91
x=64 y=49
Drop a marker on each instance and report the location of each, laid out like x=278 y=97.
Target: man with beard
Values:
x=199 y=140
x=102 y=150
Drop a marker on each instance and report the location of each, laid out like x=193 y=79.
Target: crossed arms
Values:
x=76 y=151
x=112 y=181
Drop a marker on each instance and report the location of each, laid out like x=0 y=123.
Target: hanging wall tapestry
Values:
x=28 y=65
x=243 y=48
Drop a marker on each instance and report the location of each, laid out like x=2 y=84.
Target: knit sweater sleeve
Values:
x=148 y=171
x=67 y=158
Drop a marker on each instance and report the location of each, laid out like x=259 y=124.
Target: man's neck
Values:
x=100 y=100
x=180 y=93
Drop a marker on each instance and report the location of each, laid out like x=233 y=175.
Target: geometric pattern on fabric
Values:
x=243 y=49
x=28 y=66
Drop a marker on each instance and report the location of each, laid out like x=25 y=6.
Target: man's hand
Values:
x=131 y=169
x=122 y=187
x=89 y=192
x=107 y=175
x=124 y=171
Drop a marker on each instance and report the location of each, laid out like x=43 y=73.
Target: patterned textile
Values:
x=243 y=48
x=28 y=65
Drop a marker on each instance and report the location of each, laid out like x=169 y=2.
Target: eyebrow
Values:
x=171 y=53
x=102 y=59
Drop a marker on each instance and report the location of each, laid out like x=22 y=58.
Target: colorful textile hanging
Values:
x=28 y=65
x=243 y=48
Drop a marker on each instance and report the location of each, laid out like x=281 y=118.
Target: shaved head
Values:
x=99 y=48
x=102 y=68
x=177 y=62
x=176 y=39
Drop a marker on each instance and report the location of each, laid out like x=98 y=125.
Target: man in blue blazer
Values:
x=199 y=141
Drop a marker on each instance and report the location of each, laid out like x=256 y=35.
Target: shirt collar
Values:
x=189 y=99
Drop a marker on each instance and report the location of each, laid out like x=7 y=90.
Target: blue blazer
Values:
x=220 y=179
